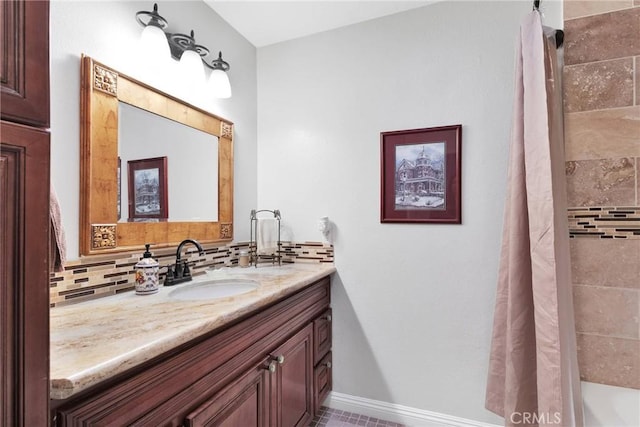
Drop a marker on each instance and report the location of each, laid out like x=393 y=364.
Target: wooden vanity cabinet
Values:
x=257 y=372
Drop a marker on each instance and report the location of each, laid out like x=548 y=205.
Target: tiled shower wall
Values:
x=602 y=137
x=103 y=275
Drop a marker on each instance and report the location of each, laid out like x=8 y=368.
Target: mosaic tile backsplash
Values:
x=104 y=275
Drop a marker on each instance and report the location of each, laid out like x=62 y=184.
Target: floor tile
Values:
x=328 y=417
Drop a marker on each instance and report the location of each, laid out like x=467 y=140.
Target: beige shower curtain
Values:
x=533 y=370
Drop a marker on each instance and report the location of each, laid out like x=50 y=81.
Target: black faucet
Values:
x=179 y=273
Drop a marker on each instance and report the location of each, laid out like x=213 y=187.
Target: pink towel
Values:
x=58 y=243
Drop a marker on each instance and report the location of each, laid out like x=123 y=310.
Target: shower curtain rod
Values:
x=559 y=33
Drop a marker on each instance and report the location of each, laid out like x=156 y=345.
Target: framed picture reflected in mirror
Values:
x=148 y=189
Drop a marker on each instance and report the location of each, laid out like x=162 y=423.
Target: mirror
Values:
x=117 y=114
x=191 y=157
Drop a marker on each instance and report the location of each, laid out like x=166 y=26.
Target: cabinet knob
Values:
x=271 y=367
x=279 y=358
x=328 y=365
x=327 y=317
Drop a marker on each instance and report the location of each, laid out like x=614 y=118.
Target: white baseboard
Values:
x=397 y=413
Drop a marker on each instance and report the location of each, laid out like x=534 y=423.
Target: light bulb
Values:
x=154 y=44
x=219 y=84
x=191 y=68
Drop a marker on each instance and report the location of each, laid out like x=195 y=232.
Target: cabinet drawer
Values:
x=321 y=336
x=322 y=384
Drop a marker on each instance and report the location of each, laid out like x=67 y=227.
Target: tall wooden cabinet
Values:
x=24 y=213
x=25 y=62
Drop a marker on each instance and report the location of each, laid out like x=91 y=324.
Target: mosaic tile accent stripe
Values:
x=605 y=222
x=104 y=275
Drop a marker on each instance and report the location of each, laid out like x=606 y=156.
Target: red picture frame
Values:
x=148 y=189
x=421 y=175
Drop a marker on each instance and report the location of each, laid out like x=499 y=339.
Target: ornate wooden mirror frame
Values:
x=100 y=232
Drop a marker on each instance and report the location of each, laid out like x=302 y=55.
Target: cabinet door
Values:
x=292 y=390
x=24 y=72
x=244 y=403
x=24 y=276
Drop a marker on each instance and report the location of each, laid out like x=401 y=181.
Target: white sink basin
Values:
x=211 y=289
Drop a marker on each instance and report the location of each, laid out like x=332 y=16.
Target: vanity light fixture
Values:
x=184 y=48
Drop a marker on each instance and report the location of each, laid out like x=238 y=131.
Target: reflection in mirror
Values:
x=192 y=162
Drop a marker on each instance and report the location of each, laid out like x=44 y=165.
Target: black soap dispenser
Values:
x=147 y=274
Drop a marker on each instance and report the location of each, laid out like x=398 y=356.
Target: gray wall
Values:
x=413 y=302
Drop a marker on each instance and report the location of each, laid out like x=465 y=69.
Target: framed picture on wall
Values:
x=420 y=175
x=148 y=189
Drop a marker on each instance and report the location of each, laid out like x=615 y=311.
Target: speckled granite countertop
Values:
x=94 y=340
